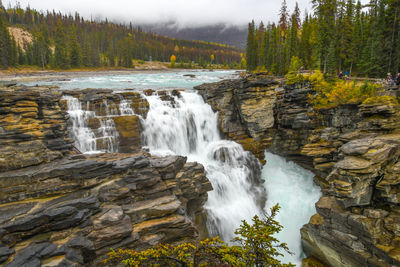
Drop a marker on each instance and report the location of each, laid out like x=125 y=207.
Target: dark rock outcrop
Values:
x=62 y=208
x=353 y=150
x=72 y=210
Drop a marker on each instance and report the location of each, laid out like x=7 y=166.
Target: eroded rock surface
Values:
x=73 y=210
x=62 y=208
x=32 y=127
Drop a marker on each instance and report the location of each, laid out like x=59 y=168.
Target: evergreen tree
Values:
x=283 y=16
x=331 y=59
x=5 y=45
x=13 y=57
x=75 y=50
x=251 y=48
x=21 y=56
x=61 y=52
x=293 y=37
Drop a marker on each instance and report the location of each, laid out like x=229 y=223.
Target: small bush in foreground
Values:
x=256 y=246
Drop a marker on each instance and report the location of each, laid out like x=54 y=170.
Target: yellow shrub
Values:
x=381 y=99
x=331 y=94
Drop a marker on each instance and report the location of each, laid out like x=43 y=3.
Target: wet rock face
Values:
x=246 y=109
x=354 y=151
x=62 y=208
x=32 y=127
x=75 y=209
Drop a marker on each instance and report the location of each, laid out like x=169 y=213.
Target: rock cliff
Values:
x=32 y=127
x=353 y=150
x=246 y=110
x=62 y=208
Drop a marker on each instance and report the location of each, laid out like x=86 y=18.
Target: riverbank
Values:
x=29 y=74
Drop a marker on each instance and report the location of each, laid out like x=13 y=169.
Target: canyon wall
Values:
x=353 y=150
x=59 y=207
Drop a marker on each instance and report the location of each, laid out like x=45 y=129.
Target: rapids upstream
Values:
x=187 y=126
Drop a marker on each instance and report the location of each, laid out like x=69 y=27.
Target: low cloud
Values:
x=184 y=12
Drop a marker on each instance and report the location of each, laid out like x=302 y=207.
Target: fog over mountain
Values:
x=185 y=13
x=222 y=21
x=219 y=33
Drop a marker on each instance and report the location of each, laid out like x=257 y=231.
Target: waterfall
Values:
x=185 y=125
x=188 y=126
x=293 y=188
x=125 y=107
x=85 y=139
x=102 y=139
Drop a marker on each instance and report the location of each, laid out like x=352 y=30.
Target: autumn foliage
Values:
x=336 y=92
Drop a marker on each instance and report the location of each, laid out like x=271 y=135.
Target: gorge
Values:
x=61 y=207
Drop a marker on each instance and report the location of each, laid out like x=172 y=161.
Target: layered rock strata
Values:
x=62 y=208
x=32 y=127
x=353 y=150
x=246 y=110
x=73 y=210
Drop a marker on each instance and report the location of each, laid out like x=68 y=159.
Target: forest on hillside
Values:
x=338 y=36
x=63 y=41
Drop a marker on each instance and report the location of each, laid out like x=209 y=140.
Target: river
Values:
x=189 y=127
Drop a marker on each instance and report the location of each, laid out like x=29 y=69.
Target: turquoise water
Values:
x=147 y=80
x=293 y=188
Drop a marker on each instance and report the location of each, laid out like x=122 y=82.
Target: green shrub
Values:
x=256 y=246
x=294 y=75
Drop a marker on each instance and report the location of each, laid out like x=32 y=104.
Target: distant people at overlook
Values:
x=398 y=79
x=390 y=80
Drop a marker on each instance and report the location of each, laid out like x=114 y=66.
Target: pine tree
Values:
x=5 y=45
x=75 y=50
x=357 y=38
x=325 y=11
x=251 y=48
x=293 y=37
x=21 y=56
x=331 y=59
x=61 y=52
x=13 y=57
x=297 y=15
x=283 y=16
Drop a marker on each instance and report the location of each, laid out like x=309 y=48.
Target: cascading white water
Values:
x=188 y=126
x=293 y=188
x=103 y=139
x=125 y=107
x=108 y=135
x=85 y=139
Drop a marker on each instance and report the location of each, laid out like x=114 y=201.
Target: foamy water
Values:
x=293 y=188
x=148 y=80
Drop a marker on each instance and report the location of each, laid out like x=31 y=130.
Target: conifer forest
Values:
x=61 y=41
x=337 y=36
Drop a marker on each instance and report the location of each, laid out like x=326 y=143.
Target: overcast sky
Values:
x=186 y=12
